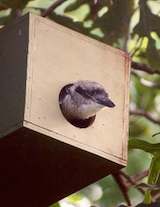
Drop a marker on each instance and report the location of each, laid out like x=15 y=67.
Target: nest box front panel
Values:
x=60 y=56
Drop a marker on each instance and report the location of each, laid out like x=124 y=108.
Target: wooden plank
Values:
x=67 y=56
x=13 y=67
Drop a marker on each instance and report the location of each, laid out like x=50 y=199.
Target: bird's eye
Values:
x=92 y=93
x=79 y=90
x=95 y=92
x=82 y=92
x=98 y=91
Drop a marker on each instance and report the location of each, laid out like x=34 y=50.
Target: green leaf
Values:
x=55 y=205
x=73 y=6
x=68 y=22
x=147 y=197
x=153 y=177
x=3 y=20
x=143 y=145
x=75 y=198
x=15 y=4
x=154 y=171
x=137 y=127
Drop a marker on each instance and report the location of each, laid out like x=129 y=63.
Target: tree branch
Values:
x=125 y=182
x=53 y=6
x=144 y=67
x=16 y=13
x=147 y=115
x=139 y=176
x=120 y=181
x=156 y=196
x=131 y=182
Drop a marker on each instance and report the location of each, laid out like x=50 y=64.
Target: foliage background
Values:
x=133 y=26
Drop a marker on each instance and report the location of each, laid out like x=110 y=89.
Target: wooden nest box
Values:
x=43 y=157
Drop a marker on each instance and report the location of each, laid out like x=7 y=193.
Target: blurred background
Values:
x=133 y=26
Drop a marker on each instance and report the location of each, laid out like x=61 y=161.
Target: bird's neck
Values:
x=89 y=110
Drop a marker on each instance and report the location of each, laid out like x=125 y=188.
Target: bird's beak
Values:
x=106 y=102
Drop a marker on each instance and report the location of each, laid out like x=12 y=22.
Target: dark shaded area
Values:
x=14 y=40
x=36 y=170
x=156 y=204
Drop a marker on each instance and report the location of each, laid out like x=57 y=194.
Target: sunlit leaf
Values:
x=148 y=197
x=154 y=172
x=143 y=145
x=15 y=4
x=68 y=22
x=55 y=205
x=75 y=5
x=154 y=175
x=80 y=14
x=74 y=197
x=137 y=127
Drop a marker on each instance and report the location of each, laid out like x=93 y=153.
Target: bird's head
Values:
x=90 y=92
x=83 y=99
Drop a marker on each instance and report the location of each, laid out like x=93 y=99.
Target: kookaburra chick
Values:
x=83 y=99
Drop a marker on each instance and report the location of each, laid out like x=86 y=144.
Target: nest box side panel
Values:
x=13 y=64
x=61 y=56
x=37 y=170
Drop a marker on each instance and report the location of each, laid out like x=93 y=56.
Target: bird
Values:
x=81 y=100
